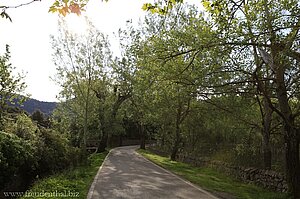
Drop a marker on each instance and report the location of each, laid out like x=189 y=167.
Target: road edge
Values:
x=92 y=187
x=178 y=177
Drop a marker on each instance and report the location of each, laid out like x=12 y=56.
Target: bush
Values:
x=22 y=126
x=55 y=152
x=15 y=155
x=27 y=152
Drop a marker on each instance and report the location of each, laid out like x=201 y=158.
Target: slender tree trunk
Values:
x=120 y=140
x=266 y=135
x=176 y=144
x=103 y=142
x=85 y=128
x=162 y=144
x=103 y=135
x=86 y=115
x=177 y=134
x=110 y=140
x=142 y=136
x=1 y=120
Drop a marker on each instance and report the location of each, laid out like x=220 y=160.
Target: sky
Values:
x=29 y=36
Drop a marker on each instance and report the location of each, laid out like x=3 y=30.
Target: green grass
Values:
x=73 y=183
x=212 y=180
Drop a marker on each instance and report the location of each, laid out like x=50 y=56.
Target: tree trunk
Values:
x=104 y=137
x=103 y=142
x=1 y=119
x=266 y=135
x=84 y=132
x=110 y=140
x=86 y=115
x=292 y=163
x=181 y=115
x=162 y=141
x=120 y=140
x=174 y=151
x=142 y=136
x=267 y=154
x=177 y=140
x=291 y=136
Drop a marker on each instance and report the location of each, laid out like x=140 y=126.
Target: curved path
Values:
x=126 y=174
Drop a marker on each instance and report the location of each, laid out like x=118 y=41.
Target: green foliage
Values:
x=11 y=86
x=15 y=155
x=39 y=118
x=23 y=127
x=81 y=62
x=27 y=151
x=161 y=7
x=55 y=153
x=76 y=180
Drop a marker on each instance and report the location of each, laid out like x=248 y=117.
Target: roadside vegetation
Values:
x=72 y=183
x=212 y=180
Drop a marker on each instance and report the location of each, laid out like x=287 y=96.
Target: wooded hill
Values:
x=31 y=105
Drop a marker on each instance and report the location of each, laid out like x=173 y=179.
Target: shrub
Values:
x=15 y=154
x=27 y=151
x=22 y=126
x=55 y=152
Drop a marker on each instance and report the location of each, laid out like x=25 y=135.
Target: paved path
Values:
x=126 y=174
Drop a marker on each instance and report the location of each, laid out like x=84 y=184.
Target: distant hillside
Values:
x=32 y=104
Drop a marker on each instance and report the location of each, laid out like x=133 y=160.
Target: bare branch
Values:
x=18 y=6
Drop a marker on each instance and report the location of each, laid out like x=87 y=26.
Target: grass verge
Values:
x=73 y=183
x=212 y=180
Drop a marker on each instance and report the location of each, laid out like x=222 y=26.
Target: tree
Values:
x=81 y=62
x=11 y=86
x=41 y=119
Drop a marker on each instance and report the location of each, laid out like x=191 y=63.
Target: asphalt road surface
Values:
x=126 y=174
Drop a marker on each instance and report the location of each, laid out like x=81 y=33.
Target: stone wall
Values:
x=264 y=178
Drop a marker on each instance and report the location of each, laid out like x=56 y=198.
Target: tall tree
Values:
x=80 y=61
x=11 y=87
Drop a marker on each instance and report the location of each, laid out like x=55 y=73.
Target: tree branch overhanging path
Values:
x=125 y=174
